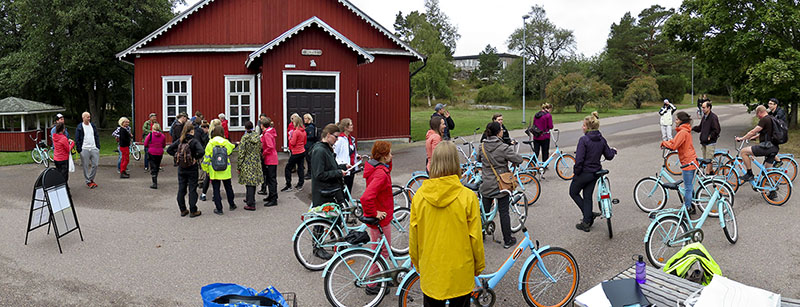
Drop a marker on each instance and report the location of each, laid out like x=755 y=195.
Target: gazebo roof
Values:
x=19 y=106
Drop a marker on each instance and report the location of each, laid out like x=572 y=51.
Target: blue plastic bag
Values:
x=211 y=292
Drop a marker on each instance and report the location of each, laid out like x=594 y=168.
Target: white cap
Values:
x=666 y=100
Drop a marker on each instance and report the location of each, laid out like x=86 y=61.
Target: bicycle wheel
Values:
x=44 y=158
x=135 y=152
x=730 y=175
x=703 y=193
x=410 y=292
x=719 y=160
x=657 y=245
x=518 y=213
x=308 y=239
x=529 y=164
x=790 y=167
x=539 y=290
x=414 y=184
x=401 y=199
x=36 y=156
x=781 y=185
x=531 y=187
x=730 y=229
x=565 y=166
x=344 y=281
x=649 y=195
x=673 y=163
x=401 y=224
x=50 y=154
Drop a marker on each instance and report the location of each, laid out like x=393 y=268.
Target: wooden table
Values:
x=665 y=290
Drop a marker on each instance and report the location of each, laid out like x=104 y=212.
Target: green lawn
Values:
x=107 y=146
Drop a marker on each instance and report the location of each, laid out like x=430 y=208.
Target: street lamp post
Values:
x=524 y=43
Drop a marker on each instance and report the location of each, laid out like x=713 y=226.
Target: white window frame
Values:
x=335 y=91
x=164 y=80
x=253 y=99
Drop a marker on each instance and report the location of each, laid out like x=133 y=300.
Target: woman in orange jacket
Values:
x=683 y=144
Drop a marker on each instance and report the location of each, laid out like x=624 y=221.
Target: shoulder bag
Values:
x=505 y=180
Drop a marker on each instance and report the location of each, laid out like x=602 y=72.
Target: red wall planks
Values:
x=383 y=105
x=17 y=141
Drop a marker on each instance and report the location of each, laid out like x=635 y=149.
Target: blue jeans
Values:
x=688 y=184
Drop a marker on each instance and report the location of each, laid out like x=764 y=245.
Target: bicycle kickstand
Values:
x=495 y=240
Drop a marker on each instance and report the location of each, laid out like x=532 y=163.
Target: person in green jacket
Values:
x=217 y=177
x=249 y=164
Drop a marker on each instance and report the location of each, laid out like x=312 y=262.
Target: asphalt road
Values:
x=138 y=251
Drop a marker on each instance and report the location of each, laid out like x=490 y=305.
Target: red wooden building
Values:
x=277 y=57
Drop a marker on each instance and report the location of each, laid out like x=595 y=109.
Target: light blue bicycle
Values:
x=604 y=200
x=564 y=163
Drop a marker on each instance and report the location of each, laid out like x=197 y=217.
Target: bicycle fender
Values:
x=527 y=262
x=297 y=231
x=405 y=280
x=654 y=222
x=328 y=265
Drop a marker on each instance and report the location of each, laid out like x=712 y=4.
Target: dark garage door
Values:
x=322 y=106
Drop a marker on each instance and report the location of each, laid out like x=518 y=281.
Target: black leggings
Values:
x=583 y=182
x=461 y=301
x=218 y=197
x=295 y=160
x=155 y=164
x=545 y=149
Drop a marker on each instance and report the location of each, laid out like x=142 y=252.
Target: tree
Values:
x=737 y=41
x=575 y=90
x=64 y=52
x=544 y=47
x=448 y=33
x=489 y=64
x=641 y=89
x=494 y=93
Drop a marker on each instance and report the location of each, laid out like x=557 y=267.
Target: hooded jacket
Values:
x=683 y=144
x=212 y=174
x=297 y=143
x=61 y=147
x=431 y=140
x=326 y=174
x=499 y=155
x=268 y=150
x=709 y=129
x=378 y=194
x=445 y=241
x=155 y=143
x=544 y=121
x=591 y=146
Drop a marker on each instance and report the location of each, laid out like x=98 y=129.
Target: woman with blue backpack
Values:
x=218 y=166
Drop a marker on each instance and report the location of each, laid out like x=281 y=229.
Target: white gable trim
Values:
x=203 y=3
x=302 y=26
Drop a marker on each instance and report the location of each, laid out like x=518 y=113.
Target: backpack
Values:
x=219 y=158
x=780 y=132
x=183 y=157
x=694 y=263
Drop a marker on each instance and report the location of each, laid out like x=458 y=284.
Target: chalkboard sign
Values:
x=51 y=205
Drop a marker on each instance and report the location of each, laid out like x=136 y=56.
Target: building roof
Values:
x=475 y=57
x=198 y=49
x=302 y=26
x=174 y=21
x=19 y=106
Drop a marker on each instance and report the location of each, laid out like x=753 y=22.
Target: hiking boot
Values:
x=124 y=175
x=203 y=197
x=232 y=207
x=583 y=226
x=218 y=212
x=195 y=214
x=249 y=208
x=510 y=243
x=286 y=188
x=184 y=212
x=747 y=177
x=322 y=254
x=271 y=203
x=154 y=185
x=372 y=290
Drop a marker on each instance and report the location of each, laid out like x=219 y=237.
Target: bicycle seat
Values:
x=330 y=192
x=369 y=220
x=672 y=185
x=601 y=172
x=527 y=142
x=704 y=161
x=472 y=186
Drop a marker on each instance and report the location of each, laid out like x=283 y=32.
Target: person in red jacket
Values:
x=270 y=154
x=377 y=200
x=61 y=149
x=297 y=145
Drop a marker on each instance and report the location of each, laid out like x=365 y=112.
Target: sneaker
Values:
x=510 y=243
x=262 y=192
x=777 y=164
x=372 y=290
x=322 y=254
x=184 y=212
x=595 y=214
x=583 y=226
x=747 y=177
x=195 y=214
x=92 y=185
x=249 y=208
x=89 y=185
x=218 y=212
x=692 y=210
x=772 y=195
x=271 y=203
x=298 y=187
x=286 y=188
x=124 y=175
x=146 y=170
x=232 y=207
x=203 y=197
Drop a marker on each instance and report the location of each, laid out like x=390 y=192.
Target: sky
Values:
x=482 y=22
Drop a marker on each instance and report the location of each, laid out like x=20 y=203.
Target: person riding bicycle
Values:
x=495 y=155
x=765 y=148
x=444 y=240
x=686 y=154
x=377 y=200
x=591 y=147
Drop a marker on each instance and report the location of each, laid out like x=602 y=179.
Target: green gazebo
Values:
x=21 y=120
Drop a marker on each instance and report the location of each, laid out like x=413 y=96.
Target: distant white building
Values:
x=471 y=62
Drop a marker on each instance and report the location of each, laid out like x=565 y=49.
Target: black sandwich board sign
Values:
x=51 y=204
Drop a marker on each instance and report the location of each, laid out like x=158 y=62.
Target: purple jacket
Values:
x=544 y=121
x=155 y=143
x=591 y=147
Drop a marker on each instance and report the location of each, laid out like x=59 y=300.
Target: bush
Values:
x=574 y=89
x=494 y=93
x=641 y=89
x=672 y=87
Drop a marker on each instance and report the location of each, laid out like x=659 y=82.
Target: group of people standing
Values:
x=87 y=143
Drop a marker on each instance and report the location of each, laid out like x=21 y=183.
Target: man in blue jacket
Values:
x=87 y=143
